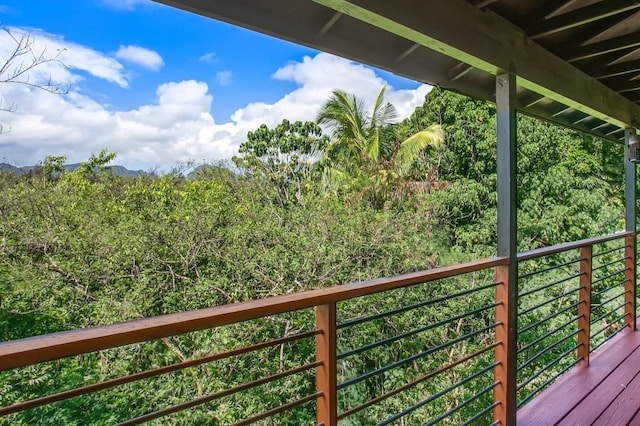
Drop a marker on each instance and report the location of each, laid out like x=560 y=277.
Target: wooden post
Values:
x=504 y=392
x=326 y=374
x=506 y=334
x=630 y=226
x=584 y=308
x=630 y=281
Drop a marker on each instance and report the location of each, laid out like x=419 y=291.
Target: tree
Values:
x=283 y=156
x=24 y=58
x=97 y=165
x=52 y=167
x=360 y=150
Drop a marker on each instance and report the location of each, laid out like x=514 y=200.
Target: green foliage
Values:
x=363 y=153
x=564 y=191
x=85 y=248
x=283 y=156
x=96 y=165
x=93 y=249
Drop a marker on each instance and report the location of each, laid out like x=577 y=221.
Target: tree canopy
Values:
x=84 y=248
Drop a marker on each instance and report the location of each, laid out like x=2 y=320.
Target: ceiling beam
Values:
x=585 y=37
x=626 y=86
x=547 y=9
x=615 y=69
x=484 y=3
x=492 y=44
x=604 y=47
x=582 y=16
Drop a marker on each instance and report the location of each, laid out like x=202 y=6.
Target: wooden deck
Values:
x=605 y=393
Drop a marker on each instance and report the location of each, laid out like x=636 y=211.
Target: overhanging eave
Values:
x=457 y=44
x=486 y=41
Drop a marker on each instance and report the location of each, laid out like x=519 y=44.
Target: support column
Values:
x=630 y=226
x=507 y=276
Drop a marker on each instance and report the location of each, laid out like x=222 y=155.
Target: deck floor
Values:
x=607 y=392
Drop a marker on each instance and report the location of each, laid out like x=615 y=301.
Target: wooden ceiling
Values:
x=577 y=61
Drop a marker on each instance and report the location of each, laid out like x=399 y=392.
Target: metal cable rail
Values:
x=472 y=326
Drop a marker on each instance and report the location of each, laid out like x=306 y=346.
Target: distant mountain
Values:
x=4 y=167
x=115 y=170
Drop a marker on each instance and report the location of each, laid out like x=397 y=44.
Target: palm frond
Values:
x=382 y=113
x=411 y=147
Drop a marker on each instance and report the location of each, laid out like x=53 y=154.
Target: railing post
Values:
x=505 y=372
x=630 y=281
x=630 y=226
x=326 y=374
x=506 y=334
x=584 y=307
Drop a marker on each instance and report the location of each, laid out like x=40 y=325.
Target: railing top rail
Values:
x=33 y=350
x=545 y=251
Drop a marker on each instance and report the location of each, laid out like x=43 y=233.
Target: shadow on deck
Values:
x=607 y=392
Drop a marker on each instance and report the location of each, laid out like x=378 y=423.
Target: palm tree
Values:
x=355 y=149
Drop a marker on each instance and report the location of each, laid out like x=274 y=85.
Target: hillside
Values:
x=114 y=170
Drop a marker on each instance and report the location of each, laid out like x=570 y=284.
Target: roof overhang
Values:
x=461 y=45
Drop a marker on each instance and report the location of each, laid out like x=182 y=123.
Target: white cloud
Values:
x=178 y=125
x=224 y=77
x=140 y=56
x=125 y=4
x=209 y=58
x=317 y=77
x=69 y=57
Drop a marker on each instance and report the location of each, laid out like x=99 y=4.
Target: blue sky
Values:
x=158 y=85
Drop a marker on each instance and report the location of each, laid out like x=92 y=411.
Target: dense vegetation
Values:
x=298 y=210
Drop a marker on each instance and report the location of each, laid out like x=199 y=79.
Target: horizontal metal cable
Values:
x=548 y=348
x=611 y=287
x=412 y=332
x=72 y=393
x=360 y=320
x=277 y=410
x=480 y=414
x=546 y=302
x=543 y=320
x=601 y=317
x=604 y=265
x=548 y=334
x=600 y=279
x=403 y=361
x=462 y=404
x=609 y=337
x=546 y=383
x=602 y=253
x=414 y=382
x=546 y=286
x=602 y=330
x=217 y=395
x=546 y=367
x=574 y=245
x=602 y=303
x=550 y=268
x=438 y=394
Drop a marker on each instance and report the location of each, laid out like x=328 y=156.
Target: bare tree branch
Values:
x=21 y=61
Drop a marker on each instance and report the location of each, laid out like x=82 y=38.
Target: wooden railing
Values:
x=572 y=299
x=425 y=345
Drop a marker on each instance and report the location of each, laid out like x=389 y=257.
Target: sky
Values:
x=160 y=86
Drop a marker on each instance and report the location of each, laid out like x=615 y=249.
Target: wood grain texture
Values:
x=563 y=402
x=600 y=404
x=627 y=388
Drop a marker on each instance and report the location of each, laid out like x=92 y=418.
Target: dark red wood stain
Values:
x=607 y=392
